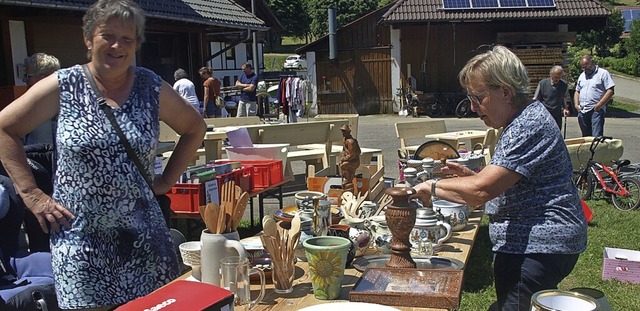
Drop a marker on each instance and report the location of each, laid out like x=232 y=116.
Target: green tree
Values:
x=346 y=12
x=601 y=40
x=292 y=15
x=633 y=43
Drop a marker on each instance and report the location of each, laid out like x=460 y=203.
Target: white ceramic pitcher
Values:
x=215 y=247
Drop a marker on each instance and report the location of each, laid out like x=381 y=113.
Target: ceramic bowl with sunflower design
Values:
x=327 y=256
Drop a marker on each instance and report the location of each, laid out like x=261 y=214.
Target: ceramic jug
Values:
x=381 y=236
x=215 y=247
x=359 y=233
x=429 y=229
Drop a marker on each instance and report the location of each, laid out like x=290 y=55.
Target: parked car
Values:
x=295 y=62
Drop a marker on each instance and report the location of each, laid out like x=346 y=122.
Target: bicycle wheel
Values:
x=632 y=200
x=584 y=183
x=463 y=108
x=436 y=109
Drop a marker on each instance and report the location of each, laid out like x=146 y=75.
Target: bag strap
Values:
x=102 y=103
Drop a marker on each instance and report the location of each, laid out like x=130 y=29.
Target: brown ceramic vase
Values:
x=401 y=217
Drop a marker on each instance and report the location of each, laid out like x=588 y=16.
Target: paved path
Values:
x=627 y=88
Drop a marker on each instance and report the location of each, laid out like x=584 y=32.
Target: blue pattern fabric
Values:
x=541 y=213
x=118 y=247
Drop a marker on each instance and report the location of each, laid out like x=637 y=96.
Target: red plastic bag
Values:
x=588 y=213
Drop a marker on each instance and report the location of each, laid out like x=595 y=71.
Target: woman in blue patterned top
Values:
x=536 y=223
x=109 y=243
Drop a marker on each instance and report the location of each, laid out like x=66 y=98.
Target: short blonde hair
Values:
x=44 y=64
x=498 y=67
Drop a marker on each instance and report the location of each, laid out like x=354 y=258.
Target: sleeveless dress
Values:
x=119 y=247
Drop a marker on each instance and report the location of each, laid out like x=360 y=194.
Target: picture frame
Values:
x=426 y=288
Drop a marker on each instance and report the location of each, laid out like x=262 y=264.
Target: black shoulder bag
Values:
x=163 y=200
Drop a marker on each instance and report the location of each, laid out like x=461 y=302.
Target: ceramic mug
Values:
x=236 y=271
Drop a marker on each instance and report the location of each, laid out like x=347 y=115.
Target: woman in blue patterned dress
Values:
x=536 y=223
x=110 y=243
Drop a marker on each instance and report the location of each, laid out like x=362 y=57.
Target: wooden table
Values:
x=472 y=137
x=457 y=247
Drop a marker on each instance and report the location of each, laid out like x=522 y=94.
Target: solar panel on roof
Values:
x=542 y=3
x=456 y=4
x=484 y=3
x=629 y=16
x=496 y=4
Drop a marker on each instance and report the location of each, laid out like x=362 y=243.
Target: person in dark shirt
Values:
x=552 y=92
x=248 y=82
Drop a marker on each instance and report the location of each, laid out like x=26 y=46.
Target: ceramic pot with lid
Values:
x=456 y=213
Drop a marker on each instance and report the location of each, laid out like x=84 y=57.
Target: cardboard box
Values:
x=621 y=264
x=372 y=183
x=183 y=295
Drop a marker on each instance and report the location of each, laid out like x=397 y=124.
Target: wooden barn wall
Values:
x=449 y=46
x=359 y=81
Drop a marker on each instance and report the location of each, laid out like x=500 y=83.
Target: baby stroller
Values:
x=26 y=279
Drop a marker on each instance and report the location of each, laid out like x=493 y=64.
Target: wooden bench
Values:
x=233 y=121
x=336 y=148
x=416 y=131
x=295 y=134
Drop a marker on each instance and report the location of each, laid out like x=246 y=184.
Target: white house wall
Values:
x=395 y=65
x=231 y=68
x=18 y=39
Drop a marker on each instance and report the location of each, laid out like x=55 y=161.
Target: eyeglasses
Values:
x=477 y=99
x=26 y=77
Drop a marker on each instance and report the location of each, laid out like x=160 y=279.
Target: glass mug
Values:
x=236 y=273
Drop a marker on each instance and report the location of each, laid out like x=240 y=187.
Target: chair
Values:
x=264 y=107
x=417 y=130
x=488 y=146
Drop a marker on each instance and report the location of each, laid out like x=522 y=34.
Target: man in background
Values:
x=248 y=82
x=594 y=90
x=37 y=67
x=552 y=92
x=186 y=88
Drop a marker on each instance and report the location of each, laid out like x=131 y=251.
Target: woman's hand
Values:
x=47 y=210
x=423 y=192
x=457 y=169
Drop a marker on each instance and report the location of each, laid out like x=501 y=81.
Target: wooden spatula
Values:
x=238 y=210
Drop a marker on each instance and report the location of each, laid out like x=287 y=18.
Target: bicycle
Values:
x=463 y=108
x=598 y=179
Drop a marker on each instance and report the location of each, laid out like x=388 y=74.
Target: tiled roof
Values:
x=222 y=13
x=416 y=11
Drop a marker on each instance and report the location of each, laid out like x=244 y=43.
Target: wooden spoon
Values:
x=211 y=217
x=202 y=209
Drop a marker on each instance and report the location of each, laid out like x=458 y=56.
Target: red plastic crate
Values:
x=186 y=198
x=265 y=172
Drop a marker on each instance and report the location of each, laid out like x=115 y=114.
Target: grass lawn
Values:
x=609 y=227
